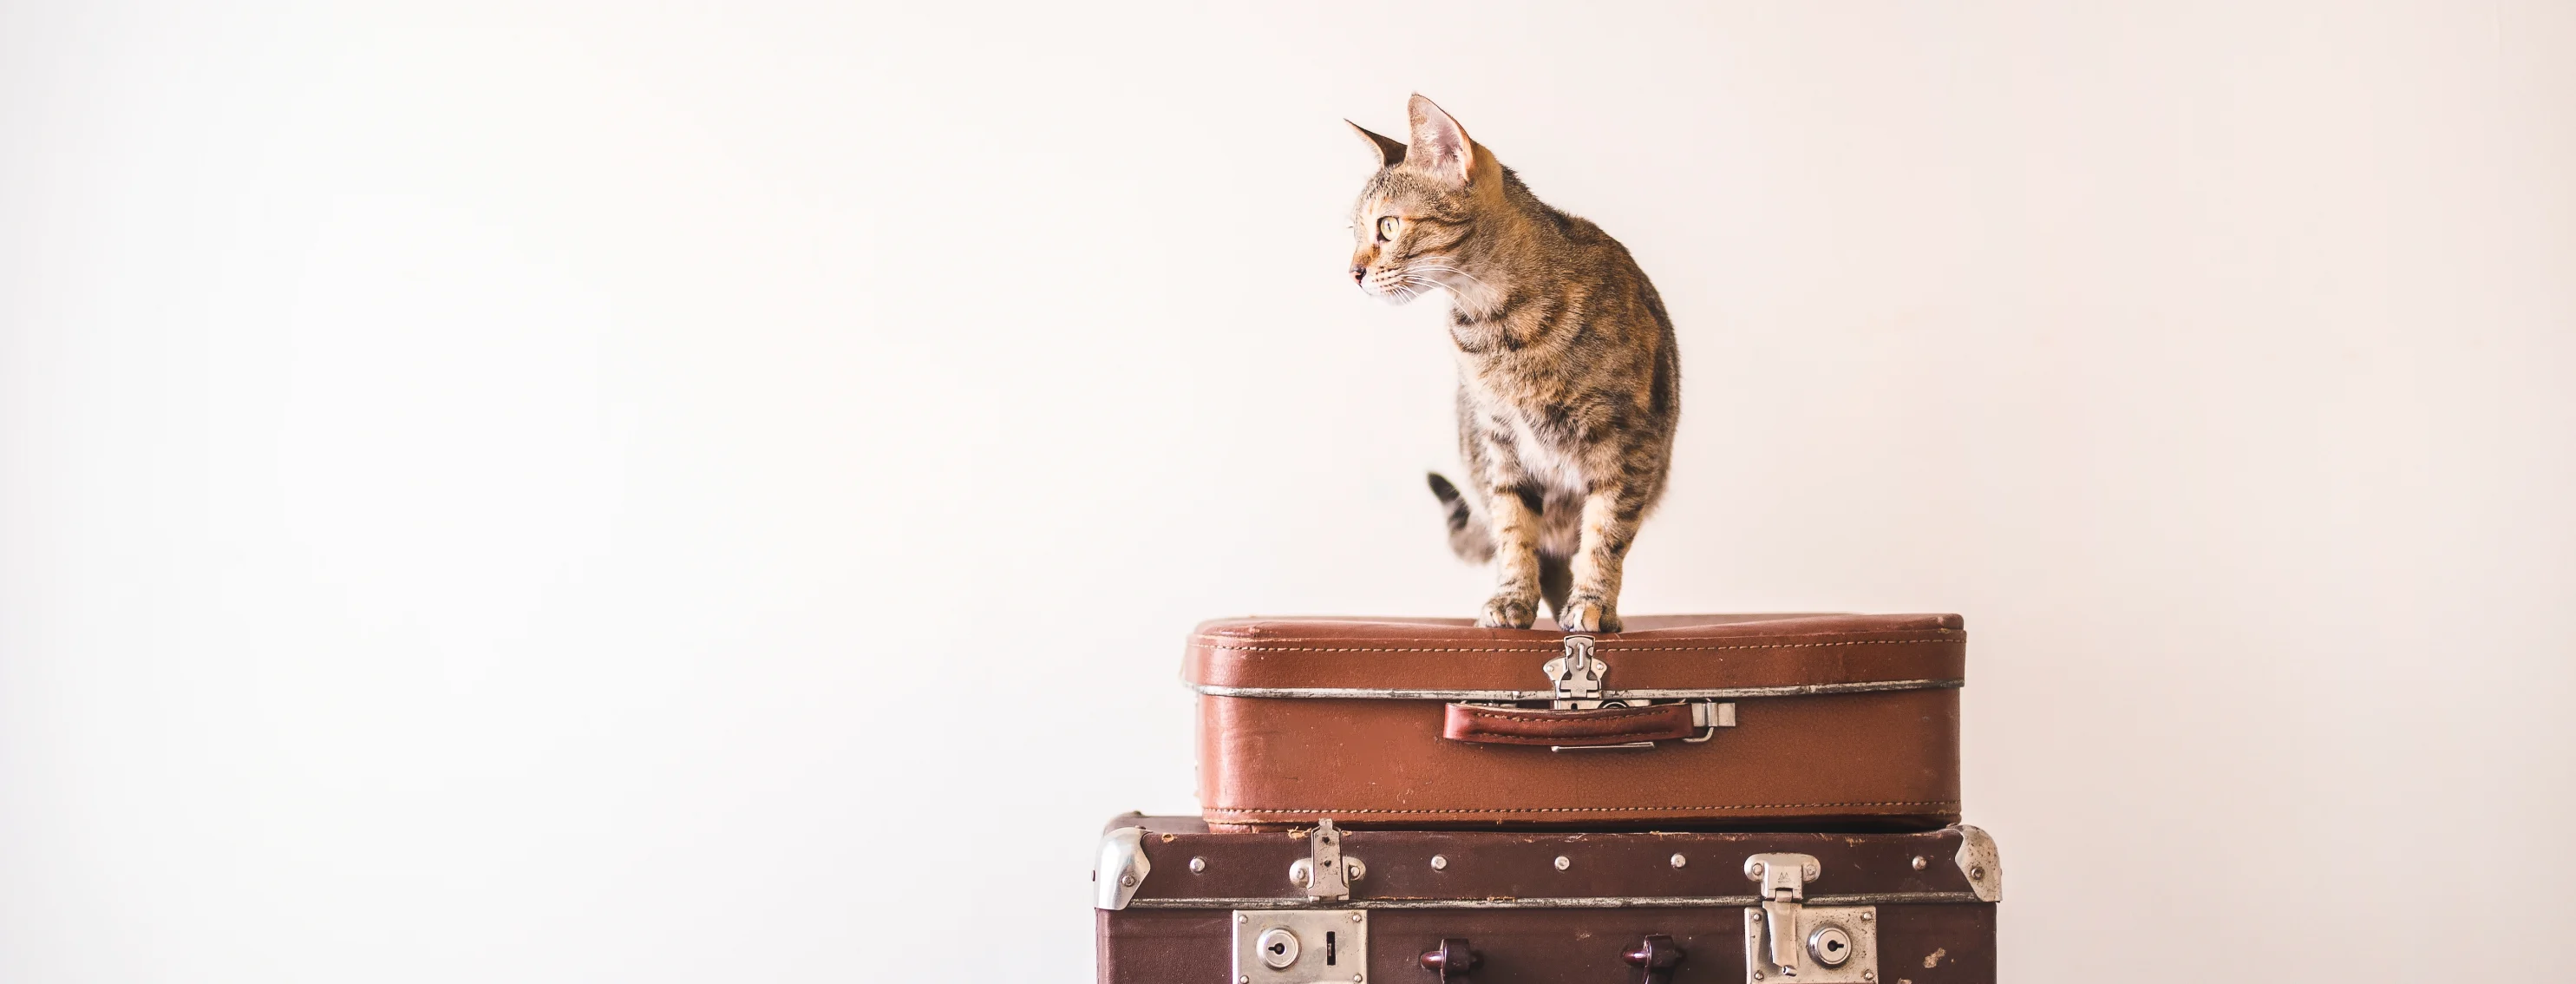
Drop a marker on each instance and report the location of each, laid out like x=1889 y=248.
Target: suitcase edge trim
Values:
x=1661 y=693
x=1122 y=851
x=1560 y=902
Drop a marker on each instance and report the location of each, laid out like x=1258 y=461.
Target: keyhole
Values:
x=1332 y=948
x=1831 y=945
x=1277 y=947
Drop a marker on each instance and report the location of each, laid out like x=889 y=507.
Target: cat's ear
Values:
x=1390 y=151
x=1440 y=146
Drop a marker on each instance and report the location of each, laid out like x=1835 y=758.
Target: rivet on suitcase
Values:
x=1178 y=902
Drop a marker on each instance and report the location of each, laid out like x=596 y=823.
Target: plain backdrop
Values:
x=559 y=492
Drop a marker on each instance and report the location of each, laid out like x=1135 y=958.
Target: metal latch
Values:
x=1324 y=873
x=1577 y=676
x=1786 y=939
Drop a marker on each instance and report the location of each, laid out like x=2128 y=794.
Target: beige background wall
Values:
x=530 y=491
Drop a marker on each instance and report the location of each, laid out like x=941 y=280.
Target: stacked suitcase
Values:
x=1762 y=798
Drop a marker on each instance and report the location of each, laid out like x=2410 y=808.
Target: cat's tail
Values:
x=1466 y=536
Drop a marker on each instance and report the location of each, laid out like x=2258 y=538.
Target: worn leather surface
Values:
x=1922 y=942
x=1541 y=726
x=1875 y=760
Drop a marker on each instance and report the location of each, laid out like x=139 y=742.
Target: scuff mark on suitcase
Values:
x=1935 y=959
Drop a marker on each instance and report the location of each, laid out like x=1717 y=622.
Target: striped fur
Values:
x=1569 y=386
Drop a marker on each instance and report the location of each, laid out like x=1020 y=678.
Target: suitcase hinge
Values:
x=1786 y=940
x=1324 y=873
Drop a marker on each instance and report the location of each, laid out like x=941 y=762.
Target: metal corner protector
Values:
x=1978 y=860
x=1122 y=868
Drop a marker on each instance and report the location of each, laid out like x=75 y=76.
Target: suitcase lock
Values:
x=1300 y=946
x=1787 y=941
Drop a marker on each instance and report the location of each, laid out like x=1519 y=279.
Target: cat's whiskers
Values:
x=1471 y=278
x=1441 y=264
x=1437 y=262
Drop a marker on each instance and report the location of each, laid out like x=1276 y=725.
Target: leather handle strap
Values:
x=1571 y=729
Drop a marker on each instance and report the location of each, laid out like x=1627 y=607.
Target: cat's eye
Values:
x=1387 y=225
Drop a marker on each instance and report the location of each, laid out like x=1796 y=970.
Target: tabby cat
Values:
x=1568 y=383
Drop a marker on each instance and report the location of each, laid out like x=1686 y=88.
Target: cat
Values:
x=1569 y=386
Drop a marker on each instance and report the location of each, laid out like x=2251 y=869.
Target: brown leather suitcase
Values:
x=1809 y=722
x=1178 y=902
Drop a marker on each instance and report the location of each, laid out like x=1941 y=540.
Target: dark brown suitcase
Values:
x=1181 y=904
x=1812 y=722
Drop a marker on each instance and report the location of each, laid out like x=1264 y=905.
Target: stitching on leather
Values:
x=1540 y=716
x=1213 y=642
x=1537 y=717
x=1574 y=809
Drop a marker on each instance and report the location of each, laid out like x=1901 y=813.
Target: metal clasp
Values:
x=1577 y=675
x=1324 y=873
x=1784 y=895
x=1579 y=678
x=1786 y=940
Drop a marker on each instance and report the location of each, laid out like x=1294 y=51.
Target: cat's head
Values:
x=1415 y=225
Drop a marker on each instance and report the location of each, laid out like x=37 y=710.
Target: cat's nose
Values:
x=1358 y=273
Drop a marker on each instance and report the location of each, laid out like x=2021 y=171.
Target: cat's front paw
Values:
x=1587 y=613
x=1504 y=611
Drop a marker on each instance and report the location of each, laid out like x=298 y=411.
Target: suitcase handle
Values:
x=1604 y=727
